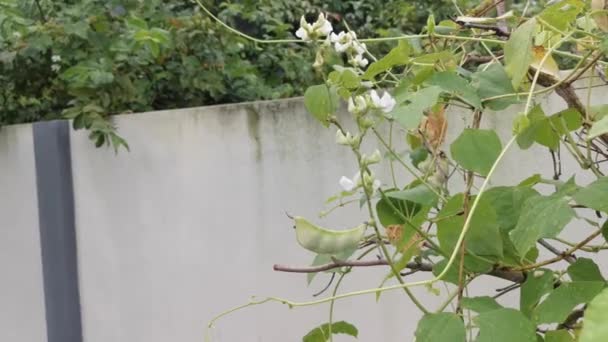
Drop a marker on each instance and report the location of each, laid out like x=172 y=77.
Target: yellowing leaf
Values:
x=549 y=66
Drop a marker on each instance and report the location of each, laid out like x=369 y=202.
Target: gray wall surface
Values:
x=189 y=223
x=22 y=312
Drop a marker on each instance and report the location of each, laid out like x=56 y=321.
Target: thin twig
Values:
x=563 y=255
x=569 y=258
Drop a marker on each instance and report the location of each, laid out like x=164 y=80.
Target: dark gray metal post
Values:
x=57 y=231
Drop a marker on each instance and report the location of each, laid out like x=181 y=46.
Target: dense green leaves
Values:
x=440 y=327
x=518 y=52
x=541 y=217
x=561 y=301
x=476 y=150
x=505 y=325
x=322 y=334
x=325 y=241
x=410 y=113
x=594 y=195
x=595 y=328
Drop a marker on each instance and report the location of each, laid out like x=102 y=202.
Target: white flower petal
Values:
x=302 y=34
x=326 y=28
x=387 y=102
x=347 y=184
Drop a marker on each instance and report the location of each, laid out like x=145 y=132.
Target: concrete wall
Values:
x=190 y=222
x=22 y=317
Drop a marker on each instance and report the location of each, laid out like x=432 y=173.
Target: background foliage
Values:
x=87 y=59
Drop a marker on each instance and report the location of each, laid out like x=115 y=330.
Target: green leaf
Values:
x=584 y=269
x=598 y=128
x=397 y=56
x=325 y=241
x=541 y=217
x=420 y=194
x=505 y=325
x=594 y=195
x=321 y=101
x=471 y=264
x=349 y=79
x=561 y=335
x=508 y=203
x=539 y=129
x=567 y=120
x=429 y=58
x=562 y=14
x=480 y=304
x=388 y=216
x=476 y=150
x=595 y=328
x=537 y=284
x=494 y=81
x=561 y=301
x=321 y=333
x=410 y=114
x=440 y=327
x=452 y=83
x=483 y=237
x=321 y=259
x=518 y=52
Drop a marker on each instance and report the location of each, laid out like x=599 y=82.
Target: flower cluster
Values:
x=361 y=103
x=343 y=42
x=346 y=42
x=56 y=59
x=320 y=28
x=351 y=184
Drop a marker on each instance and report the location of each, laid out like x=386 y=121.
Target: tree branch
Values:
x=569 y=258
x=564 y=254
x=514 y=276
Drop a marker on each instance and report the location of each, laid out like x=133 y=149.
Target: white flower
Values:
x=342 y=41
x=374 y=158
x=359 y=48
x=55 y=67
x=350 y=184
x=304 y=31
x=55 y=58
x=322 y=26
x=376 y=185
x=308 y=32
x=342 y=139
x=358 y=60
x=358 y=106
x=386 y=103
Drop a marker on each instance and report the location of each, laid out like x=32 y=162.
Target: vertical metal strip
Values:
x=57 y=231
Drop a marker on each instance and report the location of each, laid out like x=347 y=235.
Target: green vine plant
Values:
x=478 y=62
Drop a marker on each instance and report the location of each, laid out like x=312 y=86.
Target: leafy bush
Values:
x=86 y=59
x=450 y=222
